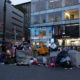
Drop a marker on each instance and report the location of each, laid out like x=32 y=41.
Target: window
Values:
x=54 y=4
x=57 y=30
x=54 y=17
x=35 y=19
x=71 y=14
x=70 y=2
x=70 y=30
x=38 y=5
x=43 y=18
x=42 y=5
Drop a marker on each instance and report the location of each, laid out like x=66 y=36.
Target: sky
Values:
x=19 y=1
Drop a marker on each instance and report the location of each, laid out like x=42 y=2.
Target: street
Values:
x=11 y=72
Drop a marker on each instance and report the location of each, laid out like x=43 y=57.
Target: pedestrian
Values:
x=7 y=58
x=14 y=51
x=65 y=62
x=52 y=63
x=44 y=61
x=34 y=50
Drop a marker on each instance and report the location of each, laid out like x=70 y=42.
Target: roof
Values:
x=23 y=3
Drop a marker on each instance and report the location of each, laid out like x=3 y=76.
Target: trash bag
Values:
x=53 y=47
x=60 y=56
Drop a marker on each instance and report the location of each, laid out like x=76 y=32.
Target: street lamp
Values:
x=4 y=26
x=15 y=36
x=4 y=18
x=63 y=38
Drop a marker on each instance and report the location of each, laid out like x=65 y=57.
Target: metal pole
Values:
x=4 y=18
x=63 y=38
x=4 y=26
x=15 y=38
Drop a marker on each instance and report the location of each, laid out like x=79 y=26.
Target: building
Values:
x=27 y=19
x=55 y=18
x=14 y=22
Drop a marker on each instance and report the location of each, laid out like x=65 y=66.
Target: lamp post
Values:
x=15 y=36
x=4 y=18
x=63 y=38
x=4 y=26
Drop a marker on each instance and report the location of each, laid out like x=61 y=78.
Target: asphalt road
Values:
x=11 y=72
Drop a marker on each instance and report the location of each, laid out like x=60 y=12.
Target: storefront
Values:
x=41 y=34
x=70 y=42
x=70 y=35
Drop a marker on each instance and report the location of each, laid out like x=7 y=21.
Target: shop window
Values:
x=57 y=30
x=70 y=30
x=72 y=16
x=49 y=31
x=43 y=32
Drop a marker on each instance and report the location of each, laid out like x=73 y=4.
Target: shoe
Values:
x=70 y=68
x=65 y=68
x=2 y=63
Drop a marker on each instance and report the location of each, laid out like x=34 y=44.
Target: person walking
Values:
x=34 y=50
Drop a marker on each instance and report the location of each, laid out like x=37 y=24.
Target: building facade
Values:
x=14 y=22
x=56 y=18
x=27 y=19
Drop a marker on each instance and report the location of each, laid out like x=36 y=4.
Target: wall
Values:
x=14 y=20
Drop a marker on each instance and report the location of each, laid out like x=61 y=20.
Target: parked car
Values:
x=42 y=49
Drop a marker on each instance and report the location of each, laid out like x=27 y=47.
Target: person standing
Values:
x=44 y=61
x=34 y=50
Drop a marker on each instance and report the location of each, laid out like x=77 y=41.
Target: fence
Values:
x=23 y=56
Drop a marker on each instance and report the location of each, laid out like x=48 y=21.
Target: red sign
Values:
x=40 y=35
x=1 y=24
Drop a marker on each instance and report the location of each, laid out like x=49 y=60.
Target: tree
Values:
x=9 y=1
x=21 y=9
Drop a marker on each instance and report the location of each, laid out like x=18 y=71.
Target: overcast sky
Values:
x=19 y=1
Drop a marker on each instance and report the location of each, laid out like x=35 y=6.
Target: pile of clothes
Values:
x=63 y=59
x=33 y=61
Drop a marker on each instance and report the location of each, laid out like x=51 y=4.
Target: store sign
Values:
x=65 y=36
x=37 y=31
x=41 y=32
